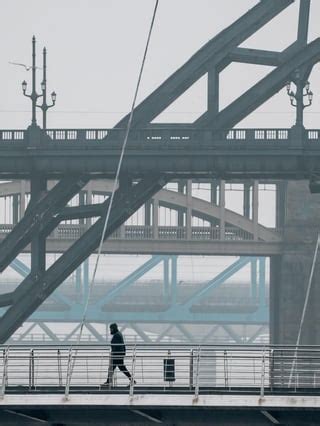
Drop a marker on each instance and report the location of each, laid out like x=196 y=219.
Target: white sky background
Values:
x=95 y=49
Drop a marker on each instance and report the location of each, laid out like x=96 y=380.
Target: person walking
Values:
x=118 y=352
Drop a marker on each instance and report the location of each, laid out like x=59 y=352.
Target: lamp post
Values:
x=297 y=98
x=34 y=95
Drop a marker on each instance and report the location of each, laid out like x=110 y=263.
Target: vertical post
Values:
x=38 y=243
x=33 y=93
x=213 y=91
x=85 y=278
x=191 y=370
x=5 y=372
x=174 y=280
x=89 y=201
x=189 y=210
x=302 y=36
x=253 y=271
x=15 y=208
x=246 y=200
x=78 y=280
x=155 y=218
x=59 y=368
x=31 y=369
x=166 y=279
x=255 y=208
x=263 y=368
x=222 y=205
x=196 y=391
x=133 y=370
x=44 y=90
x=299 y=100
x=69 y=374
x=262 y=281
x=280 y=204
x=226 y=372
x=181 y=186
x=22 y=198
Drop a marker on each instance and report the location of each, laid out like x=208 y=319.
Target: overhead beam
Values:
x=255 y=56
x=263 y=90
x=80 y=212
x=34 y=290
x=215 y=50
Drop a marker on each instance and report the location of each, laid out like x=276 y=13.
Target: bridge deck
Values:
x=233 y=153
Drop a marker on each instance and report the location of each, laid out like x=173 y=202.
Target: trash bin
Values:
x=169 y=370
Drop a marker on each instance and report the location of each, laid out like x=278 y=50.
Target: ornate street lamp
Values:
x=34 y=95
x=297 y=98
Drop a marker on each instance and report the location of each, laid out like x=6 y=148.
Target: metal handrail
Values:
x=197 y=368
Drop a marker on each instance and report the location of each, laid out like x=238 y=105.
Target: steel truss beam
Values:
x=212 y=53
x=35 y=289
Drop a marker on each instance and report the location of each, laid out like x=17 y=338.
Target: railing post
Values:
x=263 y=368
x=59 y=368
x=69 y=374
x=5 y=372
x=196 y=390
x=133 y=368
x=31 y=369
x=191 y=370
x=225 y=364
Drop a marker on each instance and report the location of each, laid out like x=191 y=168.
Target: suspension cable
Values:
x=306 y=301
x=117 y=172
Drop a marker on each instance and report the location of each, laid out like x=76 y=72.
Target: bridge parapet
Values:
x=161 y=368
x=154 y=134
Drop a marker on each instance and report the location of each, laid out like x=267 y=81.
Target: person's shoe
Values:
x=105 y=384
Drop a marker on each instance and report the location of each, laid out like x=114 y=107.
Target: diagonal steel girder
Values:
x=263 y=90
x=38 y=215
x=35 y=289
x=211 y=53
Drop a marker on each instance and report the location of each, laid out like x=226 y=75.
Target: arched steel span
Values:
x=241 y=233
x=155 y=155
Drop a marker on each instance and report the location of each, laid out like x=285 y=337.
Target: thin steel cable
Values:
x=306 y=301
x=118 y=171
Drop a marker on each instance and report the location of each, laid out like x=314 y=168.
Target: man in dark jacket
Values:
x=118 y=352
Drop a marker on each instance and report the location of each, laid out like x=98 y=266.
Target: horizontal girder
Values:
x=230 y=154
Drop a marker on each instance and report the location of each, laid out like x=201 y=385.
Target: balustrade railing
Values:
x=165 y=135
x=182 y=368
x=140 y=233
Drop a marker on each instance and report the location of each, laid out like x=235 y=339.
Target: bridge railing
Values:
x=141 y=232
x=164 y=368
x=162 y=134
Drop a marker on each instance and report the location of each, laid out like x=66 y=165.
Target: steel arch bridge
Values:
x=209 y=148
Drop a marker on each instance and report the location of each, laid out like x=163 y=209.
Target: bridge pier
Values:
x=290 y=272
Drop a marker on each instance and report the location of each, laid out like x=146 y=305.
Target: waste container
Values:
x=169 y=370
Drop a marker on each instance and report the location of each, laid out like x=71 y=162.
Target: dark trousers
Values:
x=117 y=361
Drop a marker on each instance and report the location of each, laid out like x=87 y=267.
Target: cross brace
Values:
x=35 y=289
x=37 y=217
x=211 y=53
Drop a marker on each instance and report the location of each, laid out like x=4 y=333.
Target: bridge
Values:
x=265 y=384
x=50 y=176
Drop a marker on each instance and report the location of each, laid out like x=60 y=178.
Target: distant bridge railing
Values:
x=178 y=368
x=163 y=134
x=140 y=232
